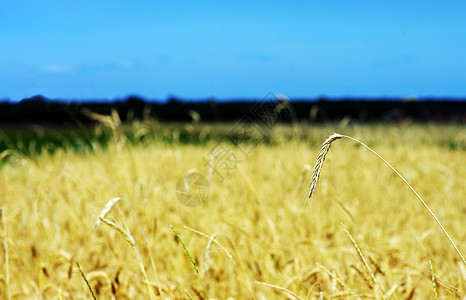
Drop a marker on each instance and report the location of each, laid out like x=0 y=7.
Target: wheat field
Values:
x=363 y=235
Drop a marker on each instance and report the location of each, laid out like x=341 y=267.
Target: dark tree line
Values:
x=40 y=110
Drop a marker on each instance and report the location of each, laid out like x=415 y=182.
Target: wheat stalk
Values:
x=129 y=238
x=209 y=246
x=378 y=268
x=7 y=264
x=127 y=235
x=363 y=259
x=337 y=279
x=107 y=208
x=112 y=121
x=364 y=277
x=280 y=289
x=318 y=169
x=192 y=260
x=433 y=279
x=4 y=154
x=87 y=281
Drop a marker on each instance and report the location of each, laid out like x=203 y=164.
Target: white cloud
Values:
x=56 y=68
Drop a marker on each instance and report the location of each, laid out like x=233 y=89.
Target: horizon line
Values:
x=278 y=96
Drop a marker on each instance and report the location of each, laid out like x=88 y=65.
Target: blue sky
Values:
x=199 y=49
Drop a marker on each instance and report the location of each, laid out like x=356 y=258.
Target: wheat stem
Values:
x=212 y=239
x=192 y=260
x=7 y=264
x=127 y=235
x=336 y=278
x=129 y=238
x=280 y=289
x=318 y=168
x=417 y=195
x=433 y=279
x=361 y=256
x=87 y=281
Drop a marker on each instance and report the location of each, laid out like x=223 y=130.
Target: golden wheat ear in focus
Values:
x=318 y=168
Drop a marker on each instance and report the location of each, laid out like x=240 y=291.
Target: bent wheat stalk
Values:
x=318 y=169
x=280 y=289
x=128 y=237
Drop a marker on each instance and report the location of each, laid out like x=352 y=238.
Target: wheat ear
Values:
x=127 y=235
x=103 y=213
x=319 y=163
x=318 y=168
x=107 y=208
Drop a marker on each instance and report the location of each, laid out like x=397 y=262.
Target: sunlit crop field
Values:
x=250 y=239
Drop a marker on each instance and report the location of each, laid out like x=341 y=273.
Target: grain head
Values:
x=319 y=163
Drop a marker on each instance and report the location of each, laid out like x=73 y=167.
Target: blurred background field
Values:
x=160 y=150
x=54 y=183
x=32 y=140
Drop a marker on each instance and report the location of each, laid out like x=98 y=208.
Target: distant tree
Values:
x=172 y=100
